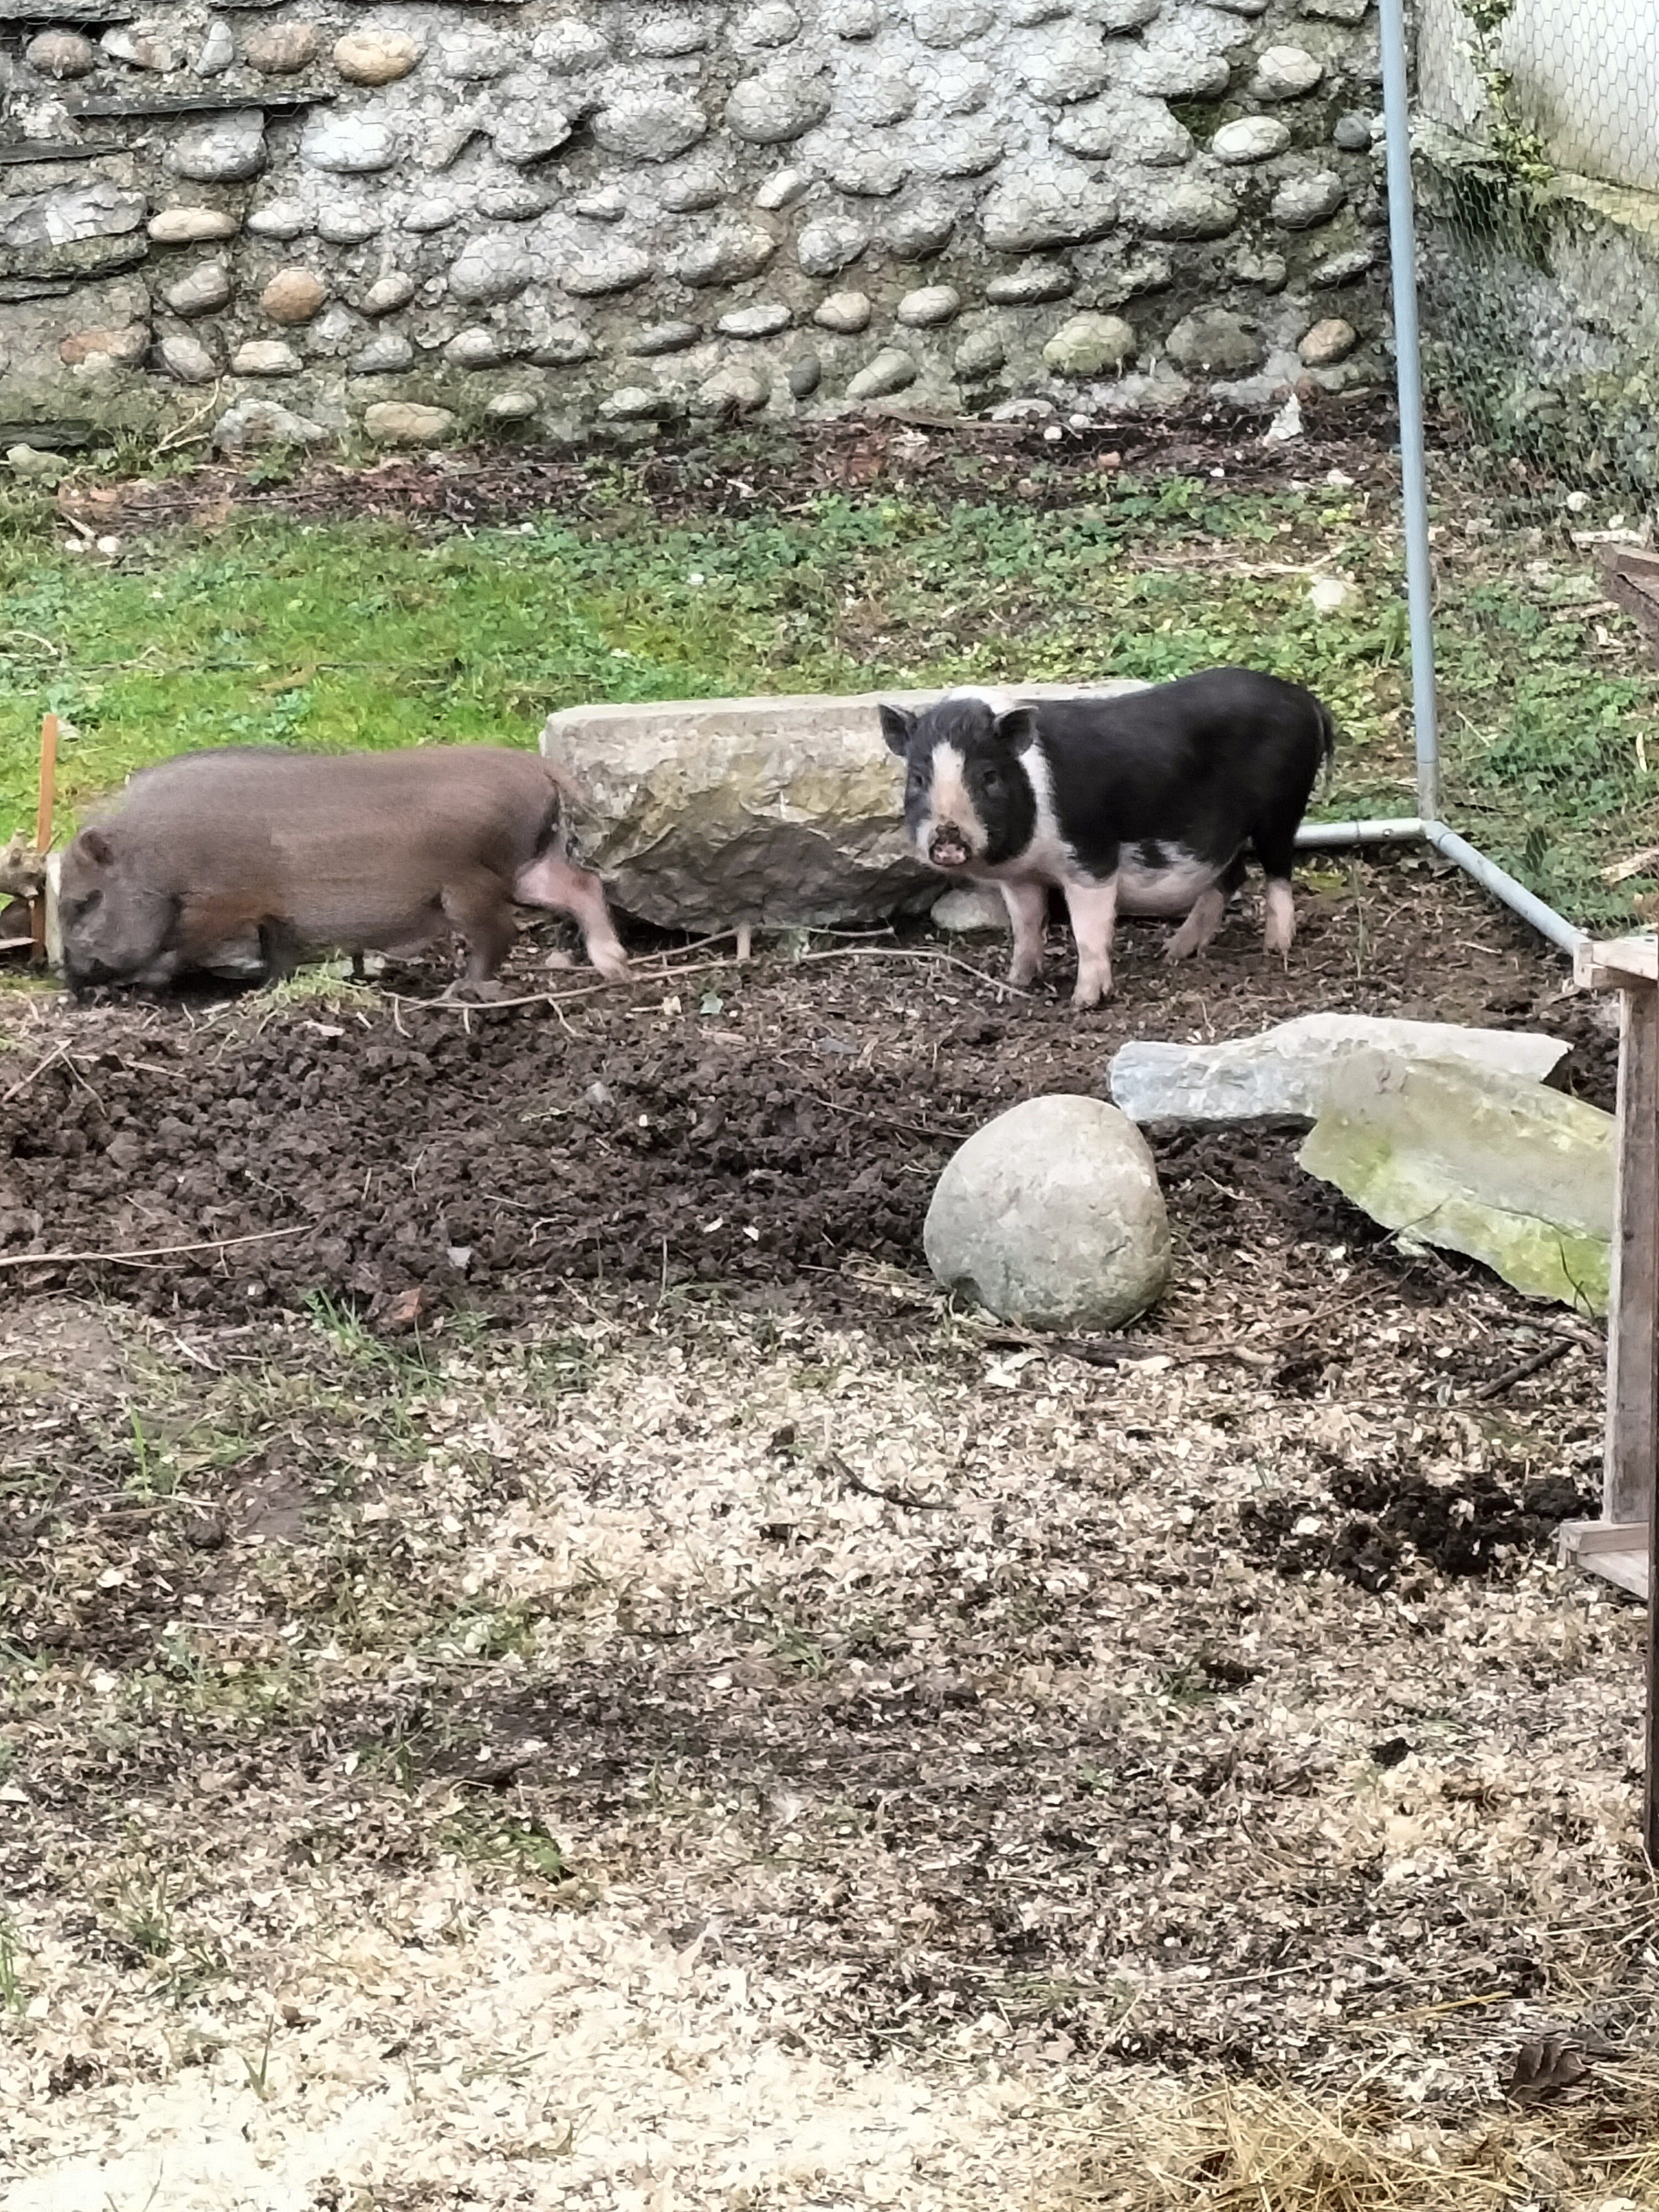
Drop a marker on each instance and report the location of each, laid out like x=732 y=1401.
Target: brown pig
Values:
x=349 y=851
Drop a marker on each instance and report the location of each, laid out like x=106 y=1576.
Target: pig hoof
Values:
x=613 y=966
x=558 y=959
x=475 y=992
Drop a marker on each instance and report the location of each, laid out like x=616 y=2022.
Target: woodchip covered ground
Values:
x=510 y=1729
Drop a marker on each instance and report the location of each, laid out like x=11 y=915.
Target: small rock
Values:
x=1183 y=208
x=217 y=52
x=1286 y=425
x=870 y=175
x=1066 y=64
x=1285 y=73
x=347 y=144
x=128 y=344
x=1048 y=206
x=473 y=56
x=1051 y=1216
x=35 y=465
x=187 y=359
x=981 y=353
x=140 y=48
x=563 y=346
x=829 y=245
x=847 y=311
x=1344 y=268
x=186 y=226
x=512 y=406
x=730 y=254
x=732 y=392
x=1269 y=271
x=763 y=321
x=607 y=269
x=691 y=190
x=641 y=402
x=668 y=37
x=490 y=267
x=777 y=105
x=512 y=203
x=1251 y=138
x=424 y=217
x=966 y=151
x=385 y=355
x=474 y=348
x=1120 y=16
x=915 y=233
x=1337 y=11
x=1126 y=127
x=773 y=24
x=1182 y=65
x=400 y=423
x=570 y=46
x=292 y=295
x=1214 y=341
x=280 y=49
x=1328 y=343
x=204 y=289
x=265 y=357
x=664 y=337
x=341 y=224
x=783 y=191
x=1301 y=203
x=224 y=151
x=943 y=23
x=387 y=293
x=253 y=422
x=890 y=371
x=1091 y=345
x=852 y=19
x=520 y=138
x=1332 y=595
x=804 y=375
x=650 y=126
x=1031 y=284
x=61 y=54
x=376 y=58
x=932 y=304
x=969 y=911
x=281 y=218
x=877 y=96
x=1352 y=133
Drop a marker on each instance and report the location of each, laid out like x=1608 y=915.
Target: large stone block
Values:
x=702 y=813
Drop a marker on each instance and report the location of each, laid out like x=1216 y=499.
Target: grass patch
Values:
x=354 y=634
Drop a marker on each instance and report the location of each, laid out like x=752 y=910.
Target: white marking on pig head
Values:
x=947 y=828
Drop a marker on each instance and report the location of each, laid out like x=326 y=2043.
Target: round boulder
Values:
x=1051 y=1217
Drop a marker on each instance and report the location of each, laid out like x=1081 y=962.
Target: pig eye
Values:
x=994 y=779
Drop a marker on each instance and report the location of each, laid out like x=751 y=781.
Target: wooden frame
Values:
x=1623 y=1546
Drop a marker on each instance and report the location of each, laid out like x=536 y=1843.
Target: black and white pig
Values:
x=1144 y=803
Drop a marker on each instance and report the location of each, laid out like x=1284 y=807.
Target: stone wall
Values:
x=652 y=209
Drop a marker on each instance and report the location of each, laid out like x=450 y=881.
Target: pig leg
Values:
x=279 y=948
x=1093 y=909
x=555 y=881
x=1209 y=910
x=1275 y=853
x=477 y=908
x=1028 y=910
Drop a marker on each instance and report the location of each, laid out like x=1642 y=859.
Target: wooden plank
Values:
x=1581 y=1539
x=1633 y=1430
x=1616 y=964
x=212 y=103
x=1625 y=1570
x=15 y=151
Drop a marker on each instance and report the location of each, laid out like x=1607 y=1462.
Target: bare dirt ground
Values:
x=558 y=1673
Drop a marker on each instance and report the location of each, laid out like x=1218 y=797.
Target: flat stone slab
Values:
x=703 y=813
x=1476 y=1161
x=1284 y=1073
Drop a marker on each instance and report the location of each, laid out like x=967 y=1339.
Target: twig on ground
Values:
x=912 y=952
x=146 y=1252
x=59 y=1051
x=1545 y=1355
x=835 y=1465
x=1093 y=1352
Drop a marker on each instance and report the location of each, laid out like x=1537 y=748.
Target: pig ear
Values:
x=97 y=846
x=897 y=727
x=1016 y=729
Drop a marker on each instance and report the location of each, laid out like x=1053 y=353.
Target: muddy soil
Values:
x=764 y=1128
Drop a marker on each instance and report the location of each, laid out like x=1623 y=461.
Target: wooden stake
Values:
x=45 y=798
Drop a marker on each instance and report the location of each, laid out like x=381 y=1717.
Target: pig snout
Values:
x=947 y=847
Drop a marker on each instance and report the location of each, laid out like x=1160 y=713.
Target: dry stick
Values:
x=147 y=1252
x=552 y=998
x=59 y=1051
x=908 y=952
x=835 y=1465
x=1542 y=1357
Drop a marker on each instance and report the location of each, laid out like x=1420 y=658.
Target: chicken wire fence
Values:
x=1535 y=169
